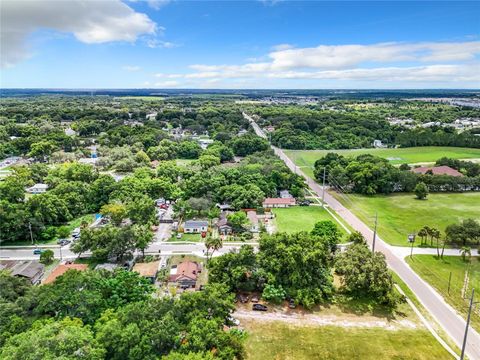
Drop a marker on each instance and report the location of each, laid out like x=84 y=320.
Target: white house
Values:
x=194 y=226
x=37 y=189
x=378 y=144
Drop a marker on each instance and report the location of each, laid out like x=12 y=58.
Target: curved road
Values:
x=444 y=314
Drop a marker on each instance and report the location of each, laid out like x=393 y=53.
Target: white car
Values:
x=232 y=321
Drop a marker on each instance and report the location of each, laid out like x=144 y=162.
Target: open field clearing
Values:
x=283 y=341
x=402 y=214
x=301 y=218
x=437 y=273
x=305 y=159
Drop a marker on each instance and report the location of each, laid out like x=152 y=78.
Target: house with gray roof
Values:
x=195 y=226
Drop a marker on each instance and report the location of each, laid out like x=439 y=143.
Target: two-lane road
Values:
x=452 y=323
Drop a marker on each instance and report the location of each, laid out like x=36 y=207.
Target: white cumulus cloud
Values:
x=91 y=22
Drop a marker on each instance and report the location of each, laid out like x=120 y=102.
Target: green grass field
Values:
x=402 y=214
x=437 y=272
x=280 y=341
x=301 y=218
x=305 y=159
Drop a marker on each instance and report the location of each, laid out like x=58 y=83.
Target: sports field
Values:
x=305 y=159
x=402 y=214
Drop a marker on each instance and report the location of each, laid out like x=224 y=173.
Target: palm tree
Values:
x=214 y=244
x=435 y=234
x=423 y=233
x=466 y=251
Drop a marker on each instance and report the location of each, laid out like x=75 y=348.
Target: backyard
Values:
x=283 y=341
x=305 y=159
x=437 y=273
x=301 y=218
x=402 y=214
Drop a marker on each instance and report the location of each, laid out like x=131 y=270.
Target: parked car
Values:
x=37 y=251
x=259 y=307
x=304 y=203
x=63 y=242
x=179 y=235
x=254 y=299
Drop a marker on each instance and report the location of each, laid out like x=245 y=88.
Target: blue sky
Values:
x=240 y=44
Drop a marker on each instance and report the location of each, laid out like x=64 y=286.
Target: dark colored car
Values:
x=37 y=251
x=64 y=242
x=259 y=307
x=304 y=203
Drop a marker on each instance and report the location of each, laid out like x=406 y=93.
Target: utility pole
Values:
x=30 y=228
x=323 y=187
x=375 y=232
x=462 y=356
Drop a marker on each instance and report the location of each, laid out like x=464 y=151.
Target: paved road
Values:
x=444 y=314
x=165 y=248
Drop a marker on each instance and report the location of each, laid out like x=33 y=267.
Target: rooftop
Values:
x=149 y=269
x=196 y=223
x=437 y=170
x=62 y=269
x=186 y=269
x=271 y=201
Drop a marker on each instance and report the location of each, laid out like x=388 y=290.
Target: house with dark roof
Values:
x=437 y=170
x=222 y=225
x=31 y=270
x=195 y=226
x=185 y=274
x=278 y=202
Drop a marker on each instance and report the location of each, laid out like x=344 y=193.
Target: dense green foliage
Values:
x=281 y=266
x=356 y=124
x=369 y=175
x=111 y=315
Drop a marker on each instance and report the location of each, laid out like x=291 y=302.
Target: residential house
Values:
x=222 y=225
x=31 y=270
x=253 y=219
x=37 y=189
x=437 y=170
x=278 y=202
x=285 y=194
x=185 y=274
x=195 y=226
x=62 y=269
x=147 y=270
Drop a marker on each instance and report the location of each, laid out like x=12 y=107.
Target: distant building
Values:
x=62 y=269
x=70 y=132
x=378 y=144
x=37 y=189
x=285 y=194
x=195 y=226
x=222 y=225
x=185 y=274
x=147 y=270
x=151 y=116
x=278 y=202
x=270 y=128
x=31 y=270
x=437 y=170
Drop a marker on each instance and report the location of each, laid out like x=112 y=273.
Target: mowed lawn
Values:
x=427 y=154
x=301 y=218
x=437 y=272
x=402 y=214
x=281 y=341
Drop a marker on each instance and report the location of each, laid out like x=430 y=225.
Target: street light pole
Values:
x=30 y=228
x=375 y=232
x=462 y=356
x=323 y=187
